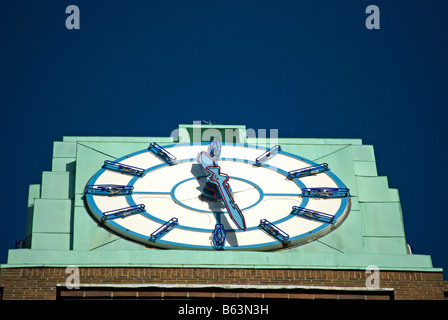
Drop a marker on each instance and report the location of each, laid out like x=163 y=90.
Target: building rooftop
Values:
x=60 y=230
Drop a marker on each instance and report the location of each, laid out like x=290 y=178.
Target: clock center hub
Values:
x=188 y=193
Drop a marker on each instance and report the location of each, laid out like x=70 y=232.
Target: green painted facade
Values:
x=60 y=232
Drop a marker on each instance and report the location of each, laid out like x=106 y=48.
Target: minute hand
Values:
x=221 y=181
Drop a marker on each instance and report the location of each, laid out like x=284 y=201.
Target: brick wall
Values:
x=41 y=283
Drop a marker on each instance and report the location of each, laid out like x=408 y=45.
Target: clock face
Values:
x=240 y=198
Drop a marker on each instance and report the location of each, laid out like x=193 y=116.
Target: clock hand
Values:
x=220 y=180
x=214 y=148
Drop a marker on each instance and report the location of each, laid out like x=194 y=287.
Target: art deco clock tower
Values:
x=205 y=216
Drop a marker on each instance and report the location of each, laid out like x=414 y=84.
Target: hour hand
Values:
x=221 y=181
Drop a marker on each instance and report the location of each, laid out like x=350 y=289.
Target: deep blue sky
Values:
x=306 y=68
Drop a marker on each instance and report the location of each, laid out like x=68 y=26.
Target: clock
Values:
x=217 y=196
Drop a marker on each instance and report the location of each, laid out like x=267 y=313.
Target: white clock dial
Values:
x=158 y=201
